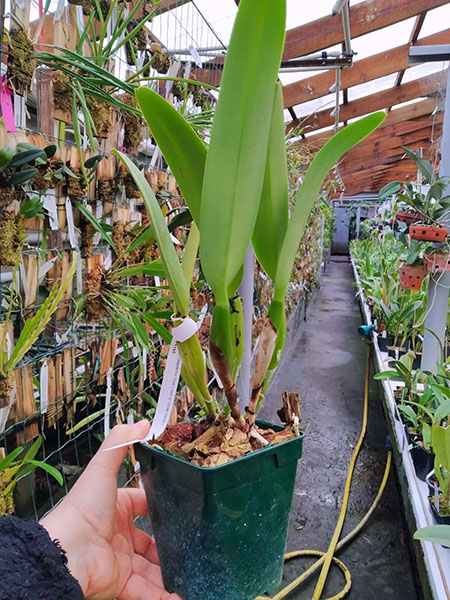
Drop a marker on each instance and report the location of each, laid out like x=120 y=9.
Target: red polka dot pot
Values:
x=407 y=217
x=411 y=277
x=438 y=263
x=428 y=233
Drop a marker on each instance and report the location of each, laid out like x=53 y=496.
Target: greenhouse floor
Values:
x=325 y=363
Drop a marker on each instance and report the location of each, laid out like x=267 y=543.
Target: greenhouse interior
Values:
x=224 y=300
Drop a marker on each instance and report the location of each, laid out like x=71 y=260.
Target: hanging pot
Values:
x=428 y=233
x=438 y=263
x=221 y=531
x=411 y=277
x=406 y=216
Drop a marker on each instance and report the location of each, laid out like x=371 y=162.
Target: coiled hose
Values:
x=327 y=558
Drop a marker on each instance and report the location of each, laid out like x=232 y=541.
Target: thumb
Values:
x=120 y=434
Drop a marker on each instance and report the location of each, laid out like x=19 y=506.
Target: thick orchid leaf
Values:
x=235 y=164
x=172 y=266
x=183 y=150
x=328 y=156
x=273 y=215
x=439 y=534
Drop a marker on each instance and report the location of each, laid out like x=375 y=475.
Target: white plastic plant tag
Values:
x=195 y=55
x=59 y=10
x=43 y=383
x=79 y=276
x=45 y=268
x=255 y=434
x=167 y=393
x=70 y=225
x=19 y=111
x=172 y=72
x=108 y=259
x=50 y=207
x=157 y=280
x=8 y=344
x=106 y=424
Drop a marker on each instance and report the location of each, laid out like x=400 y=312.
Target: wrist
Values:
x=62 y=529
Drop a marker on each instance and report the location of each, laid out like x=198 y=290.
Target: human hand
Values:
x=107 y=554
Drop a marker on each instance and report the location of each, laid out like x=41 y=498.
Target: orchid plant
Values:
x=237 y=192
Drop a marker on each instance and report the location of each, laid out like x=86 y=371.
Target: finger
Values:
x=144 y=568
x=139 y=588
x=145 y=545
x=111 y=461
x=137 y=499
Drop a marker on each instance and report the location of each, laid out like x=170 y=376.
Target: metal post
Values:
x=246 y=289
x=358 y=220
x=438 y=290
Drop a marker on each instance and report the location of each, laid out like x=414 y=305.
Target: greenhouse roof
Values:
x=380 y=78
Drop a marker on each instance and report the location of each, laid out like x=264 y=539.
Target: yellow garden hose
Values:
x=326 y=558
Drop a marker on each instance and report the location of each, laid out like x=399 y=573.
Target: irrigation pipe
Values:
x=327 y=558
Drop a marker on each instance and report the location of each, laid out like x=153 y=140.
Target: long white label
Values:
x=43 y=382
x=167 y=393
x=70 y=225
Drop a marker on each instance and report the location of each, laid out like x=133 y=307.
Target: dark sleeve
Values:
x=32 y=567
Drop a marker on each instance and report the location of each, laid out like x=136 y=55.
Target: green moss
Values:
x=133 y=134
x=6 y=500
x=11 y=238
x=161 y=61
x=5 y=389
x=21 y=64
x=138 y=43
x=62 y=91
x=101 y=113
x=107 y=190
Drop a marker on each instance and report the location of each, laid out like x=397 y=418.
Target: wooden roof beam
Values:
x=412 y=40
x=367 y=69
x=376 y=148
x=365 y=17
x=423 y=87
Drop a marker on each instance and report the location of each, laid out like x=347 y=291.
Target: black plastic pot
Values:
x=403 y=349
x=384 y=342
x=423 y=461
x=440 y=520
x=221 y=532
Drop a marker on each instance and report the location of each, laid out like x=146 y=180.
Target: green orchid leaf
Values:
x=23 y=176
x=96 y=224
x=438 y=534
x=235 y=164
x=181 y=147
x=425 y=167
x=28 y=156
x=391 y=188
x=172 y=267
x=46 y=467
x=328 y=156
x=10 y=458
x=158 y=327
x=273 y=214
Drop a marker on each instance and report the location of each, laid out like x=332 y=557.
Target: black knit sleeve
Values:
x=32 y=567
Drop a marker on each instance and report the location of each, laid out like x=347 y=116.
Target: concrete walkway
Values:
x=326 y=364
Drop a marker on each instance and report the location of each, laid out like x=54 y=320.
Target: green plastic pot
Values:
x=221 y=532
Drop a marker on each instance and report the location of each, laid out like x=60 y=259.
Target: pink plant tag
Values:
x=7 y=106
